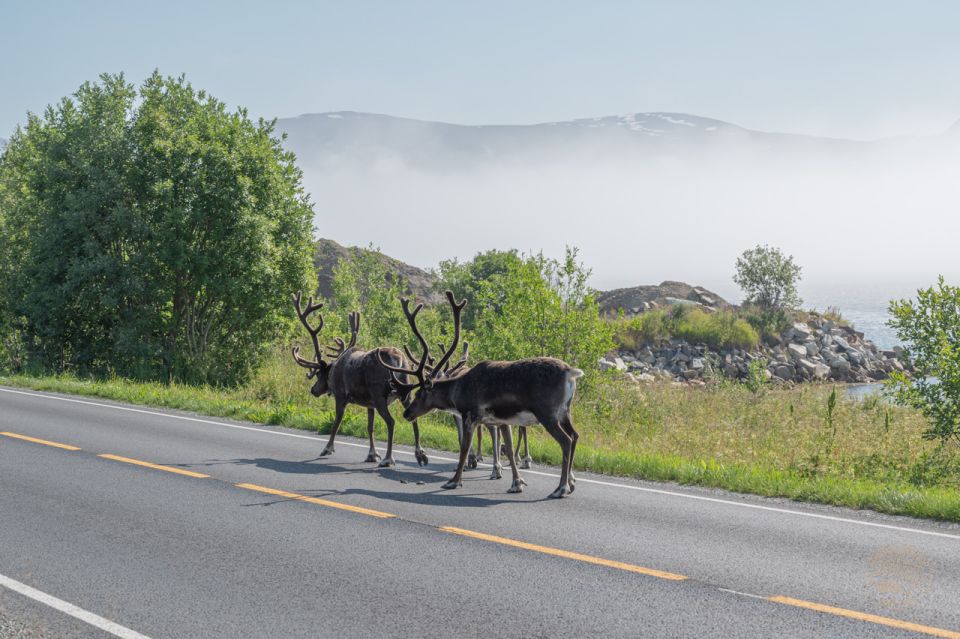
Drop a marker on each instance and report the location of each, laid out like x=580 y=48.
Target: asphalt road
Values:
x=261 y=539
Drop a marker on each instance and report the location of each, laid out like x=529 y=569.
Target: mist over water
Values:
x=868 y=222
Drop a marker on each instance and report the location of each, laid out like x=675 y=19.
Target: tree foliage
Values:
x=150 y=232
x=768 y=278
x=930 y=327
x=541 y=307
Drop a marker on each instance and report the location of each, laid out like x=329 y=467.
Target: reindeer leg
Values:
x=373 y=455
x=558 y=433
x=422 y=459
x=385 y=415
x=522 y=435
x=518 y=483
x=339 y=409
x=474 y=459
x=497 y=471
x=465 y=441
x=567 y=424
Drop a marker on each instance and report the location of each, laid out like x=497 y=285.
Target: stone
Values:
x=797 y=351
x=697 y=364
x=812 y=348
x=801 y=331
x=690 y=374
x=784 y=372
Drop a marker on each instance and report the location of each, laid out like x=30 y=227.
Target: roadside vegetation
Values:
x=166 y=280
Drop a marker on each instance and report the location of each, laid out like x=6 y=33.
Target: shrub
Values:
x=930 y=327
x=719 y=331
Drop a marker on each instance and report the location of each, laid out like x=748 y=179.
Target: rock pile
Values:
x=818 y=350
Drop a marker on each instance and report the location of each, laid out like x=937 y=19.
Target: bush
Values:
x=719 y=331
x=930 y=327
x=541 y=307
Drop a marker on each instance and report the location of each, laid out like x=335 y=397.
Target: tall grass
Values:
x=792 y=443
x=718 y=330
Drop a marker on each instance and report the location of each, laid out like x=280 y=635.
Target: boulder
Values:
x=797 y=351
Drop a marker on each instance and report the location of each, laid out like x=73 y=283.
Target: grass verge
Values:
x=778 y=443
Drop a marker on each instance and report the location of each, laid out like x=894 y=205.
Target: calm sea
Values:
x=863 y=305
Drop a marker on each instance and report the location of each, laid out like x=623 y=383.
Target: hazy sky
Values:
x=848 y=69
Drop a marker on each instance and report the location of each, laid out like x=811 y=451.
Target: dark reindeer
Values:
x=355 y=376
x=523 y=392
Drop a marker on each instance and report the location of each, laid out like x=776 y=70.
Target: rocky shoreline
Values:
x=819 y=349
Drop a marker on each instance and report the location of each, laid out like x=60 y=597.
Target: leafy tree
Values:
x=466 y=280
x=930 y=327
x=768 y=278
x=542 y=307
x=152 y=233
x=362 y=282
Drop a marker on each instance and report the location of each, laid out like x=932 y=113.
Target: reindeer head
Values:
x=426 y=372
x=320 y=369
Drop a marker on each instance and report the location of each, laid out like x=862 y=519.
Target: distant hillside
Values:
x=345 y=138
x=329 y=253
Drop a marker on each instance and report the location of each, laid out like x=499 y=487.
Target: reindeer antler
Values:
x=314 y=332
x=421 y=361
x=457 y=308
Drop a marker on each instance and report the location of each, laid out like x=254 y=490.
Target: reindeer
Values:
x=355 y=376
x=522 y=392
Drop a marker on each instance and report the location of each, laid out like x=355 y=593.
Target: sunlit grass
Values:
x=776 y=443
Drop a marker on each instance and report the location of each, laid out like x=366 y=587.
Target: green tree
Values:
x=155 y=233
x=769 y=280
x=466 y=280
x=930 y=327
x=361 y=282
x=542 y=307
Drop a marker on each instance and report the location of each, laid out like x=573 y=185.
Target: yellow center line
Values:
x=316 y=500
x=169 y=469
x=40 y=441
x=556 y=552
x=863 y=616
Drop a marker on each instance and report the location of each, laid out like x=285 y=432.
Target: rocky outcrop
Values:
x=638 y=299
x=329 y=253
x=817 y=350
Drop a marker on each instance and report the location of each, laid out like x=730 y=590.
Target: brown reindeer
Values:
x=522 y=392
x=355 y=376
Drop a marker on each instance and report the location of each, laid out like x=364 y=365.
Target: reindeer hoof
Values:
x=517 y=486
x=422 y=459
x=452 y=484
x=327 y=450
x=373 y=456
x=496 y=473
x=525 y=463
x=386 y=463
x=472 y=461
x=561 y=491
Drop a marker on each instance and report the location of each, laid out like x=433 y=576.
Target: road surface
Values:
x=117 y=520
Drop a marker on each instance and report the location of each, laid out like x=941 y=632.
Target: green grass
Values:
x=777 y=443
x=718 y=330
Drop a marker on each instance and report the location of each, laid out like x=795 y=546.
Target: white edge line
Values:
x=86 y=616
x=656 y=491
x=744 y=594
